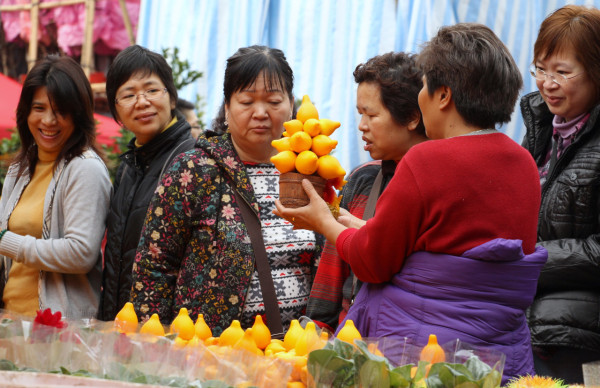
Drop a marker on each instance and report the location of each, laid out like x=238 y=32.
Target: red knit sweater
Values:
x=447 y=196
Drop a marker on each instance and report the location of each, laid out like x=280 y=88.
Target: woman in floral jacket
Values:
x=195 y=251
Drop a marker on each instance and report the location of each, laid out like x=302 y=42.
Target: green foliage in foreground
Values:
x=127 y=374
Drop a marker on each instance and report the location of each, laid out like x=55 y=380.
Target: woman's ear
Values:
x=412 y=125
x=444 y=96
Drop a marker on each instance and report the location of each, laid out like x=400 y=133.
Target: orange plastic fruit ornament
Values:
x=293 y=126
x=322 y=145
x=307 y=110
x=282 y=144
x=307 y=162
x=183 y=325
x=202 y=330
x=126 y=320
x=300 y=141
x=312 y=127
x=153 y=326
x=308 y=341
x=292 y=335
x=261 y=333
x=432 y=352
x=232 y=334
x=284 y=161
x=328 y=126
x=349 y=332
x=329 y=167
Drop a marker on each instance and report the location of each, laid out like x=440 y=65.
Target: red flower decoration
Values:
x=45 y=325
x=48 y=319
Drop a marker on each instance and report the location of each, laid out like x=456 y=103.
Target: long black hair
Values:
x=70 y=95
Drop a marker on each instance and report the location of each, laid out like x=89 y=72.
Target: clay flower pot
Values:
x=291 y=192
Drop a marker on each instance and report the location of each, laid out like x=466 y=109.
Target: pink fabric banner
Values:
x=110 y=33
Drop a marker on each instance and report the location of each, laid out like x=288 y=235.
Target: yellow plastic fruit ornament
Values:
x=261 y=333
x=179 y=342
x=349 y=332
x=153 y=326
x=312 y=127
x=329 y=167
x=282 y=144
x=126 y=320
x=293 y=126
x=308 y=341
x=292 y=335
x=247 y=343
x=307 y=162
x=183 y=325
x=194 y=342
x=328 y=126
x=432 y=352
x=300 y=141
x=284 y=161
x=276 y=346
x=202 y=330
x=322 y=145
x=232 y=334
x=307 y=110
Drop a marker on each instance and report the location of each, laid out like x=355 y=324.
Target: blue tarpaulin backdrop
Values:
x=324 y=40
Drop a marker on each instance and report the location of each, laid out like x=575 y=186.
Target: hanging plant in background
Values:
x=183 y=76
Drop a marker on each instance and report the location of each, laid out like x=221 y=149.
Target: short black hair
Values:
x=184 y=104
x=474 y=63
x=245 y=66
x=137 y=59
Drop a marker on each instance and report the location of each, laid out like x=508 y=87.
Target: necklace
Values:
x=480 y=132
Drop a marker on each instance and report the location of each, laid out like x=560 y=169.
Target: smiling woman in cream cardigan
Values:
x=55 y=197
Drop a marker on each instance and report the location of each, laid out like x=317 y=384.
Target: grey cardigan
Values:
x=69 y=254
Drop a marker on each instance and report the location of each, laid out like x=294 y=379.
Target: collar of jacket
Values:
x=141 y=157
x=538 y=118
x=220 y=148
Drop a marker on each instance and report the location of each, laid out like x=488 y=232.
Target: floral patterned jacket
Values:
x=194 y=251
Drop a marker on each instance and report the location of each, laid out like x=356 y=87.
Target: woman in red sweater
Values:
x=457 y=222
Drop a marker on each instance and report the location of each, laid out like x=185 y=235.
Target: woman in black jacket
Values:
x=142 y=97
x=563 y=135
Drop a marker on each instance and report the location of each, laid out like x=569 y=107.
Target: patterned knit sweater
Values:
x=195 y=250
x=291 y=253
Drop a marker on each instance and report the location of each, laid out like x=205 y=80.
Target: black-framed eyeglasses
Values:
x=541 y=75
x=150 y=95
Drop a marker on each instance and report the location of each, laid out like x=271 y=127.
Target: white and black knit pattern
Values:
x=291 y=253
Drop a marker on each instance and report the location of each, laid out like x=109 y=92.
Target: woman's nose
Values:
x=548 y=83
x=362 y=124
x=49 y=118
x=260 y=110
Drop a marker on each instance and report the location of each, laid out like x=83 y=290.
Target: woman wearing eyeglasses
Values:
x=142 y=97
x=563 y=136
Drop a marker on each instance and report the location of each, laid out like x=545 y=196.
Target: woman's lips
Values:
x=145 y=117
x=553 y=100
x=49 y=134
x=368 y=144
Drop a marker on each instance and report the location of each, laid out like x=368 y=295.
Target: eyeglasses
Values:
x=541 y=75
x=150 y=95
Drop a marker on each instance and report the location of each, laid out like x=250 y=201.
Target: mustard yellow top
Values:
x=21 y=290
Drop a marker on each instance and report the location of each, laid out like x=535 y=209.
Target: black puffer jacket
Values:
x=566 y=309
x=136 y=180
